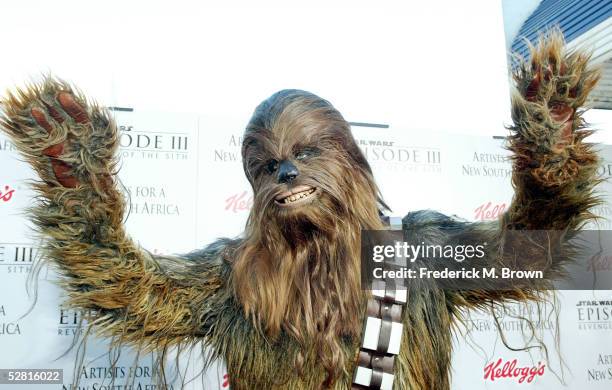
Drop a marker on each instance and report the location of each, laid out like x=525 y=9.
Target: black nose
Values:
x=286 y=171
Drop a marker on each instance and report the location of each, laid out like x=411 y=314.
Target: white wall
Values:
x=396 y=62
x=600 y=120
x=438 y=65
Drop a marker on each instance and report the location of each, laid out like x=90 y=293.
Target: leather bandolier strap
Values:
x=382 y=334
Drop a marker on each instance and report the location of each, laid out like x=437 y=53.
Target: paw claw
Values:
x=74 y=109
x=62 y=173
x=561 y=112
x=40 y=118
x=54 y=151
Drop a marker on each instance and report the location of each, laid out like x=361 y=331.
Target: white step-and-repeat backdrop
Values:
x=187 y=188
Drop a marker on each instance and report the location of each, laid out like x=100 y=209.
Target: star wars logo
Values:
x=594 y=315
x=153 y=145
x=392 y=156
x=7 y=328
x=17 y=258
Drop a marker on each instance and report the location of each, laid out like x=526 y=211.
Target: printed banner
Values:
x=183 y=176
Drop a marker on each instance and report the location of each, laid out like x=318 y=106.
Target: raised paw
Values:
x=553 y=72
x=44 y=119
x=553 y=84
x=65 y=139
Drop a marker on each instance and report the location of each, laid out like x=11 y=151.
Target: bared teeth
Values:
x=298 y=196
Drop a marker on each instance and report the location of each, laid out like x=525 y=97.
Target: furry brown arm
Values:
x=72 y=146
x=554 y=171
x=554 y=176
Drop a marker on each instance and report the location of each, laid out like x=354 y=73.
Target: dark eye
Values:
x=271 y=166
x=306 y=153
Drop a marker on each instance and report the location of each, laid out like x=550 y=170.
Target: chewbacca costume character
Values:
x=283 y=304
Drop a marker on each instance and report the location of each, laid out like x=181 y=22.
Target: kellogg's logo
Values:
x=6 y=195
x=239 y=202
x=489 y=211
x=509 y=370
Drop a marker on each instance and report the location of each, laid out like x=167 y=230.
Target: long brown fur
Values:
x=298 y=270
x=283 y=303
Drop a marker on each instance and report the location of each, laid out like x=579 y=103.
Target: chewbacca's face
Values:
x=303 y=164
x=298 y=265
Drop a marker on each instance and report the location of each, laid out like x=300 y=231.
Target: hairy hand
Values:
x=68 y=141
x=553 y=85
x=548 y=132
